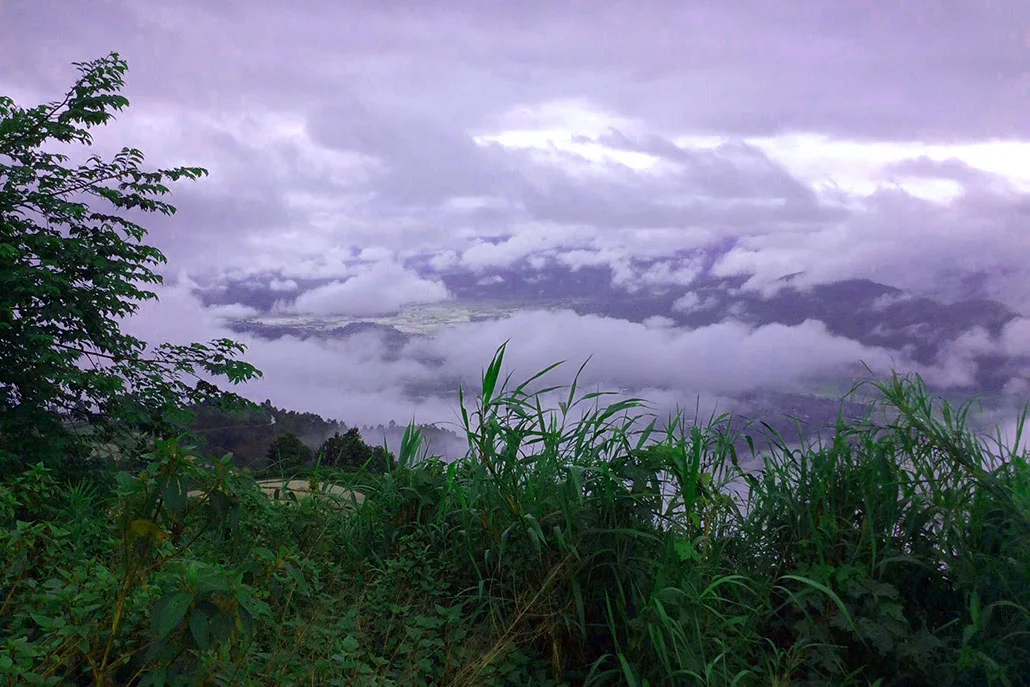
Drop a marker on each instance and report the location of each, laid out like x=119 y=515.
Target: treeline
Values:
x=263 y=436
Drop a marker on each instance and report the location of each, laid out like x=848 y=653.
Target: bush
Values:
x=288 y=454
x=349 y=450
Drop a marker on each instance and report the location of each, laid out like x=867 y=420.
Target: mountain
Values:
x=871 y=313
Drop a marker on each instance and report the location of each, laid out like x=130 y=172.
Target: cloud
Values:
x=1015 y=338
x=232 y=311
x=506 y=161
x=349 y=380
x=722 y=359
x=901 y=240
x=658 y=322
x=665 y=273
x=359 y=151
x=1018 y=387
x=888 y=300
x=528 y=240
x=381 y=288
x=282 y=285
x=354 y=380
x=690 y=302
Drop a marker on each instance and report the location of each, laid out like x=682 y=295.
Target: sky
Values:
x=375 y=145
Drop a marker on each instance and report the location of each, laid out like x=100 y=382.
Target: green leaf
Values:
x=173 y=491
x=349 y=645
x=209 y=581
x=200 y=629
x=686 y=552
x=169 y=612
x=493 y=371
x=828 y=592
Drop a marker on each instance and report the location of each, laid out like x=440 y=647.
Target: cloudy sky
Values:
x=375 y=145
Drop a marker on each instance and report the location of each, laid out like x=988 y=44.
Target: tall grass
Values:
x=587 y=542
x=632 y=554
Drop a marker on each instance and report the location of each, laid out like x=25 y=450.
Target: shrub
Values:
x=349 y=450
x=288 y=454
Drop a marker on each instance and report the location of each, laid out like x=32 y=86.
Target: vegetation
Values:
x=288 y=454
x=348 y=450
x=561 y=550
x=68 y=274
x=582 y=544
x=249 y=434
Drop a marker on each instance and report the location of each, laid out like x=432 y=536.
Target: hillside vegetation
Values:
x=582 y=543
x=559 y=551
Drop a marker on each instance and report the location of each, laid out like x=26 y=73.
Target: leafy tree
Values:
x=349 y=450
x=69 y=271
x=288 y=452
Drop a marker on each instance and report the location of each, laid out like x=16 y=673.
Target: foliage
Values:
x=288 y=453
x=583 y=544
x=348 y=450
x=248 y=432
x=69 y=271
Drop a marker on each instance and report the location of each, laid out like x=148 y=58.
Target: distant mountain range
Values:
x=865 y=311
x=871 y=313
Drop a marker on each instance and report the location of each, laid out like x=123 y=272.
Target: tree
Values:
x=349 y=450
x=288 y=452
x=70 y=271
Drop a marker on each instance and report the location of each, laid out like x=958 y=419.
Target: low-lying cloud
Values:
x=380 y=288
x=354 y=381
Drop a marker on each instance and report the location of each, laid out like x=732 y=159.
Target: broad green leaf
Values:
x=169 y=612
x=200 y=629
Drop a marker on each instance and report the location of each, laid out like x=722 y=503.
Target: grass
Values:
x=586 y=542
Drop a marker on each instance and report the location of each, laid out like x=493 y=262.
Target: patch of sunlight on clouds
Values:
x=472 y=203
x=566 y=126
x=568 y=115
x=567 y=130
x=570 y=142
x=860 y=168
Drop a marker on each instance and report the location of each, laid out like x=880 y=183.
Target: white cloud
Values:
x=659 y=322
x=691 y=302
x=1018 y=387
x=381 y=288
x=523 y=243
x=283 y=285
x=659 y=274
x=234 y=311
x=890 y=299
x=720 y=359
x=1015 y=337
x=376 y=254
x=580 y=257
x=444 y=260
x=688 y=302
x=355 y=381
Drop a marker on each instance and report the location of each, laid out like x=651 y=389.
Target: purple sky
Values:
x=878 y=139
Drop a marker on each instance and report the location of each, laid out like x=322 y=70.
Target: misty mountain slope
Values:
x=871 y=313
